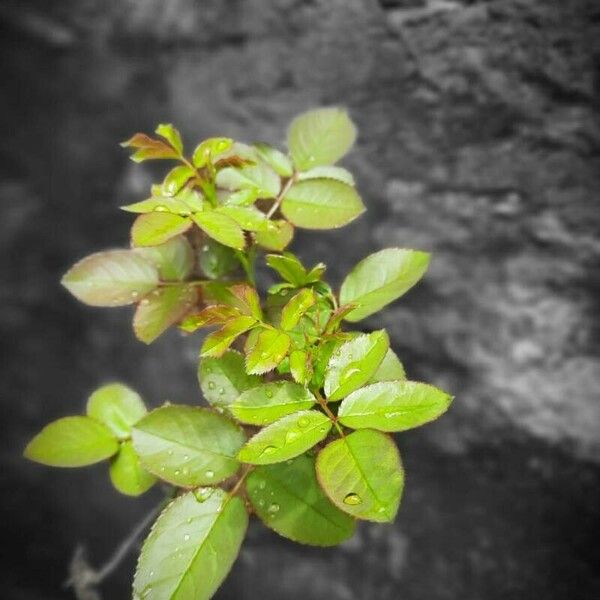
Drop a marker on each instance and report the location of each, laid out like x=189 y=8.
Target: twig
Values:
x=282 y=193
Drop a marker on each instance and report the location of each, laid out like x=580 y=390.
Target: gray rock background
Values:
x=479 y=140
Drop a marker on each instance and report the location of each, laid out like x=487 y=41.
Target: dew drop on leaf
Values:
x=210 y=474
x=262 y=485
x=269 y=394
x=221 y=391
x=268 y=450
x=211 y=385
x=273 y=508
x=303 y=422
x=352 y=499
x=186 y=537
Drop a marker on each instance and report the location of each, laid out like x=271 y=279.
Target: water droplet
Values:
x=291 y=436
x=284 y=292
x=221 y=391
x=303 y=422
x=186 y=457
x=211 y=385
x=269 y=394
x=162 y=469
x=186 y=537
x=189 y=520
x=352 y=499
x=261 y=502
x=177 y=471
x=160 y=208
x=145 y=302
x=209 y=474
x=273 y=508
x=262 y=485
x=170 y=452
x=268 y=450
x=134 y=295
x=349 y=372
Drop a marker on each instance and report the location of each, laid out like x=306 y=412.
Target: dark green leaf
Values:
x=288 y=499
x=127 y=474
x=217 y=260
x=362 y=475
x=188 y=446
x=152 y=229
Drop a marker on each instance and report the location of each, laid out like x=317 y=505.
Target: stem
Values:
x=282 y=193
x=240 y=481
x=247 y=262
x=328 y=412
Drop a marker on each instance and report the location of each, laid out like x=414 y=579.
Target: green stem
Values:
x=328 y=412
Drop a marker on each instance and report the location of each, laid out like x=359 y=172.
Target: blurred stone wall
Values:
x=479 y=140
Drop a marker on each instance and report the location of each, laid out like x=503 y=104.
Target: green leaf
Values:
x=294 y=310
x=161 y=309
x=127 y=474
x=191 y=548
x=380 y=279
x=277 y=160
x=287 y=498
x=149 y=148
x=174 y=259
x=289 y=267
x=188 y=446
x=112 y=278
x=338 y=173
x=216 y=343
x=362 y=475
x=270 y=349
x=176 y=205
x=152 y=229
x=321 y=204
x=260 y=178
x=276 y=237
x=245 y=197
x=117 y=406
x=72 y=442
x=210 y=148
x=246 y=300
x=167 y=131
x=393 y=406
x=217 y=260
x=300 y=366
x=223 y=379
x=320 y=137
x=215 y=314
x=390 y=369
x=286 y=438
x=221 y=228
x=247 y=217
x=354 y=363
x=176 y=178
x=266 y=403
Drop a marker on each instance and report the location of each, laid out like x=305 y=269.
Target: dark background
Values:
x=479 y=140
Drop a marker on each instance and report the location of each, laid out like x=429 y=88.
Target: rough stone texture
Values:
x=479 y=140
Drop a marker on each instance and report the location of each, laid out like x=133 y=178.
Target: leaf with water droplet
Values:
x=218 y=342
x=209 y=440
x=258 y=177
x=270 y=349
x=127 y=474
x=362 y=475
x=354 y=363
x=276 y=237
x=152 y=229
x=221 y=228
x=192 y=547
x=217 y=260
x=174 y=259
x=304 y=513
x=266 y=403
x=283 y=446
x=248 y=218
x=176 y=178
x=296 y=307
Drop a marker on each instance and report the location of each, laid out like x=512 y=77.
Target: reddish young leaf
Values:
x=149 y=148
x=211 y=315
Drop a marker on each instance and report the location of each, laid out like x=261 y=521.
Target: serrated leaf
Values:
x=217 y=260
x=117 y=406
x=191 y=548
x=393 y=406
x=247 y=217
x=223 y=379
x=221 y=228
x=216 y=343
x=216 y=314
x=161 y=309
x=167 y=131
x=277 y=160
x=295 y=309
x=260 y=178
x=288 y=499
x=354 y=363
x=390 y=369
x=152 y=229
x=127 y=474
x=176 y=178
x=244 y=197
x=321 y=204
x=289 y=267
x=300 y=366
x=210 y=148
x=286 y=438
x=277 y=237
x=187 y=446
x=174 y=259
x=381 y=278
x=246 y=300
x=320 y=137
x=270 y=349
x=149 y=148
x=337 y=173
x=362 y=475
x=337 y=316
x=112 y=278
x=266 y=403
x=72 y=442
x=160 y=204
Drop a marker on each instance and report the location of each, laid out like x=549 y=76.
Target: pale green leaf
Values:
x=176 y=178
x=152 y=229
x=167 y=131
x=288 y=499
x=338 y=173
x=209 y=149
x=221 y=228
x=174 y=259
x=112 y=278
x=362 y=475
x=127 y=474
x=321 y=204
x=216 y=343
x=286 y=438
x=380 y=279
x=294 y=310
x=162 y=308
x=270 y=349
x=277 y=160
x=300 y=366
x=354 y=363
x=276 y=237
x=289 y=267
x=160 y=204
x=320 y=137
x=191 y=548
x=223 y=379
x=117 y=406
x=247 y=217
x=266 y=403
x=72 y=442
x=243 y=197
x=188 y=446
x=390 y=369
x=260 y=178
x=393 y=406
